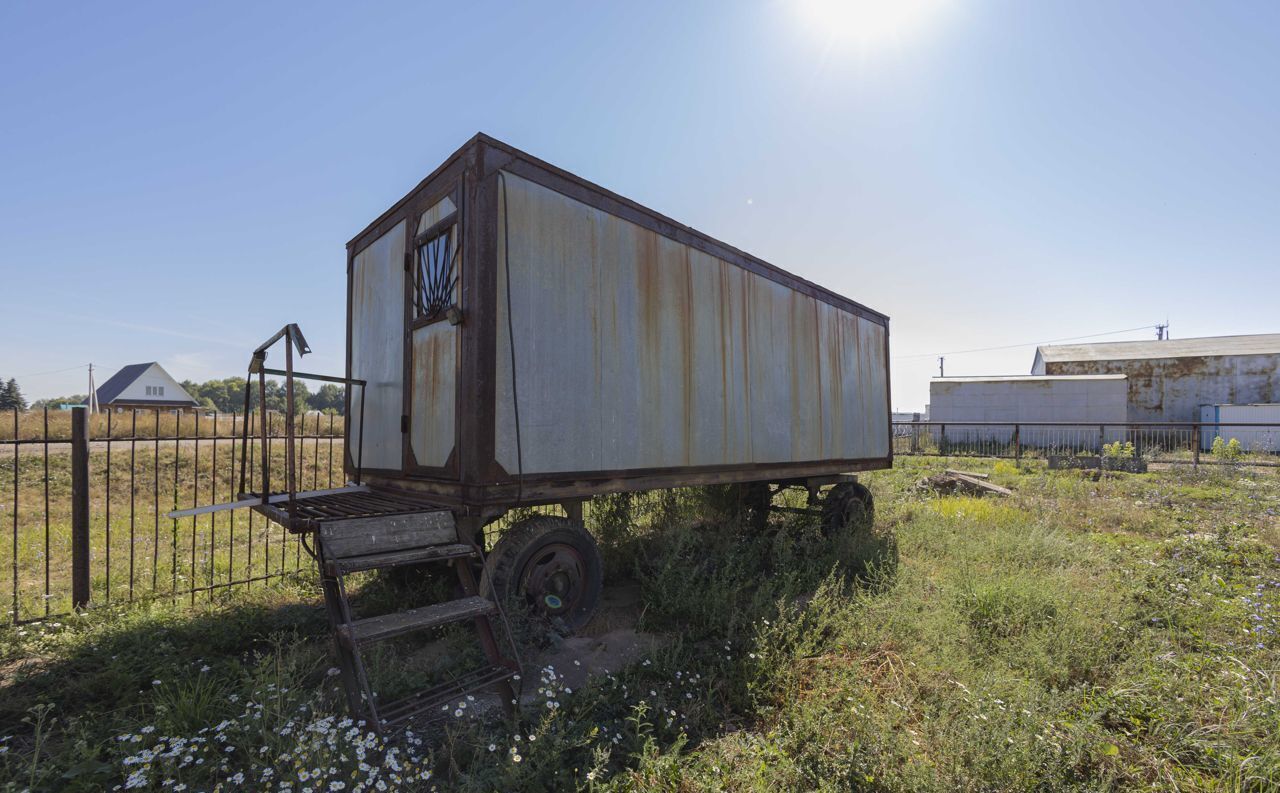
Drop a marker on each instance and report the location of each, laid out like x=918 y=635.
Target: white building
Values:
x=1089 y=399
x=143 y=386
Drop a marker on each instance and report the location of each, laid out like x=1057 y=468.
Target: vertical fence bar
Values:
x=79 y=508
x=46 y=511
x=213 y=499
x=1017 y=443
x=1195 y=447
x=330 y=464
x=248 y=451
x=155 y=498
x=231 y=517
x=173 y=522
x=108 y=506
x=315 y=461
x=266 y=491
x=195 y=496
x=133 y=484
x=14 y=560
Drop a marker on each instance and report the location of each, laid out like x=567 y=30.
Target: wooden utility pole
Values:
x=92 y=401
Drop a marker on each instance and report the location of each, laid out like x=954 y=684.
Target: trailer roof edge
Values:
x=518 y=154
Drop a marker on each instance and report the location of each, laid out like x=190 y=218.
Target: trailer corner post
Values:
x=79 y=507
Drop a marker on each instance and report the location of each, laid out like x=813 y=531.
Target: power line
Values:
x=1024 y=344
x=51 y=371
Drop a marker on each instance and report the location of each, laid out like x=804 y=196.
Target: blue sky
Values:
x=177 y=182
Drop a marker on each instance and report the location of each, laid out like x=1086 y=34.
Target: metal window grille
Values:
x=437 y=274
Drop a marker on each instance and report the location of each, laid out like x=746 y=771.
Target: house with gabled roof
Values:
x=143 y=386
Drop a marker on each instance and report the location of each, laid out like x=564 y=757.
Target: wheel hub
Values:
x=553 y=580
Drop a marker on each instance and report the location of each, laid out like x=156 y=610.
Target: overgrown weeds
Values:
x=1080 y=635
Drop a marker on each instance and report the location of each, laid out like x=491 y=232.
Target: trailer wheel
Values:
x=847 y=507
x=551 y=565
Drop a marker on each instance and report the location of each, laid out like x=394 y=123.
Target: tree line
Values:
x=227 y=396
x=224 y=396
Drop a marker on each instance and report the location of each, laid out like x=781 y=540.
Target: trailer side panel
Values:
x=634 y=351
x=377 y=348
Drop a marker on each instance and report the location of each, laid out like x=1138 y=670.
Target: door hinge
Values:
x=404 y=423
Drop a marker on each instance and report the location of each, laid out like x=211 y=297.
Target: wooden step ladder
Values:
x=380 y=542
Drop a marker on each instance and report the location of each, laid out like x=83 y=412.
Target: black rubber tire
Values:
x=562 y=560
x=847 y=507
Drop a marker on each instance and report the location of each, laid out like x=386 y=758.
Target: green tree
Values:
x=74 y=399
x=329 y=398
x=11 y=396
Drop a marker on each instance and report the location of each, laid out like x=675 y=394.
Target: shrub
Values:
x=1119 y=450
x=1227 y=450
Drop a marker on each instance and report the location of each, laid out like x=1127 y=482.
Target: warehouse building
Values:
x=1171 y=379
x=1089 y=399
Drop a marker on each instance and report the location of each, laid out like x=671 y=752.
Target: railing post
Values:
x=1017 y=443
x=942 y=442
x=79 y=507
x=1195 y=447
x=1102 y=438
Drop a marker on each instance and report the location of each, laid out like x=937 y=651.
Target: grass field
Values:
x=1080 y=635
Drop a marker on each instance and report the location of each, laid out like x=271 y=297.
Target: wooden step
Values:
x=386 y=626
x=382 y=561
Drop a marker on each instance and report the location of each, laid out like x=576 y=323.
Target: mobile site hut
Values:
x=519 y=336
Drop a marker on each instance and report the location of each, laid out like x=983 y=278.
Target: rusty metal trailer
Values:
x=529 y=337
x=516 y=336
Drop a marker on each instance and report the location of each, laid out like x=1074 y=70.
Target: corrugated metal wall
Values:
x=377 y=348
x=1091 y=400
x=1253 y=439
x=1173 y=389
x=635 y=351
x=435 y=384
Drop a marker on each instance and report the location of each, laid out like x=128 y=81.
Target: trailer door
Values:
x=435 y=313
x=376 y=353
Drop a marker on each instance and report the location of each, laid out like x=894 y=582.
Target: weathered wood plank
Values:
x=379 y=561
x=386 y=626
x=387 y=533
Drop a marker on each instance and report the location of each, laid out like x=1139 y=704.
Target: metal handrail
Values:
x=257 y=365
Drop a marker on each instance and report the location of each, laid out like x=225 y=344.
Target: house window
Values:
x=155 y=390
x=436 y=276
x=159 y=390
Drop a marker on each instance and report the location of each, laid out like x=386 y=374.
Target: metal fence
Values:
x=84 y=498
x=1177 y=443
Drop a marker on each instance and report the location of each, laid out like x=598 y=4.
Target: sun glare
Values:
x=866 y=24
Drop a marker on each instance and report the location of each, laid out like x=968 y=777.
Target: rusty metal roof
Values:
x=1255 y=344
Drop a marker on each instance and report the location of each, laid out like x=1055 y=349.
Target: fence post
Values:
x=1102 y=437
x=1195 y=447
x=79 y=507
x=1017 y=443
x=942 y=443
